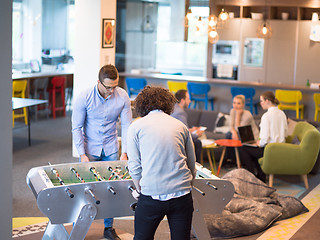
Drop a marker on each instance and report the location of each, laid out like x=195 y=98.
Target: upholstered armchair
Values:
x=292 y=159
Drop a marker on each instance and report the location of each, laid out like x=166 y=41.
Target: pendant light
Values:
x=264 y=30
x=213 y=36
x=223 y=16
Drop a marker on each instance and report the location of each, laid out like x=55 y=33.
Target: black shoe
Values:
x=110 y=234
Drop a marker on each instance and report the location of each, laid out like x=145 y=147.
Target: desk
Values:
x=228 y=143
x=18 y=103
x=31 y=76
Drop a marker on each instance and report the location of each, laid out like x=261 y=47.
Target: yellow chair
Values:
x=290 y=100
x=316 y=97
x=175 y=86
x=18 y=90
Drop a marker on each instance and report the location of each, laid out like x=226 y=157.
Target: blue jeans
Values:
x=108 y=222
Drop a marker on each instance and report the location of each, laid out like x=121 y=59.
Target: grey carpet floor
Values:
x=51 y=142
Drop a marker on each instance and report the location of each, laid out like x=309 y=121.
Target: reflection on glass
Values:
x=253 y=52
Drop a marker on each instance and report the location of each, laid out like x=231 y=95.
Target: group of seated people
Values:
x=273 y=127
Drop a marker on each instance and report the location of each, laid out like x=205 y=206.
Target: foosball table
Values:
x=79 y=193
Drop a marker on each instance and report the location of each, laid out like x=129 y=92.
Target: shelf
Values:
x=255 y=9
x=276 y=13
x=234 y=9
x=306 y=13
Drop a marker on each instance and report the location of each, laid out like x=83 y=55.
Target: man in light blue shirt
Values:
x=94 y=119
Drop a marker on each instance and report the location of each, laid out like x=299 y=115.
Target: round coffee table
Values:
x=228 y=143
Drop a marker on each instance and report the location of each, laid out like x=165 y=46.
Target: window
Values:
x=17 y=33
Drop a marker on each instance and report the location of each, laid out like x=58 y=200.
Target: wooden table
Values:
x=18 y=103
x=228 y=143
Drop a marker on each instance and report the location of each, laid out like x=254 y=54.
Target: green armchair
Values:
x=292 y=159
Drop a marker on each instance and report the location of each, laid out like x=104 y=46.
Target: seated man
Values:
x=183 y=102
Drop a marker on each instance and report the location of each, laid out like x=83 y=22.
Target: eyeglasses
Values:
x=108 y=88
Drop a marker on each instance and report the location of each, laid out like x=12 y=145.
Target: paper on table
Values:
x=206 y=142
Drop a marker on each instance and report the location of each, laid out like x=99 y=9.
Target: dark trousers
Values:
x=197 y=148
x=150 y=212
x=249 y=157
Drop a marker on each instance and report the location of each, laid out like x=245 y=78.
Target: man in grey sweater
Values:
x=161 y=162
x=179 y=113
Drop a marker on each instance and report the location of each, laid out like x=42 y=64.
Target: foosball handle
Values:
x=131 y=188
x=92 y=195
x=211 y=185
x=133 y=206
x=112 y=190
x=68 y=191
x=199 y=191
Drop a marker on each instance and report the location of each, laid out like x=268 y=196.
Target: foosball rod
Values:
x=67 y=189
x=113 y=173
x=96 y=174
x=77 y=175
x=88 y=190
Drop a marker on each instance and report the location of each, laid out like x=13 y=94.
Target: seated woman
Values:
x=273 y=128
x=240 y=117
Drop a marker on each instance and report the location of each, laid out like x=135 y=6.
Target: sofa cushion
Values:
x=193 y=117
x=208 y=119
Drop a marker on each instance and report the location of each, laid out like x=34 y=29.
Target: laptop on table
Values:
x=246 y=136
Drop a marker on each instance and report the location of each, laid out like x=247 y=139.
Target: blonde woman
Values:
x=240 y=117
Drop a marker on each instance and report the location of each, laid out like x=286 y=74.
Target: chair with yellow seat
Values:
x=316 y=97
x=176 y=86
x=290 y=100
x=18 y=90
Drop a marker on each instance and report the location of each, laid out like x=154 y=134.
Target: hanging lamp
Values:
x=264 y=30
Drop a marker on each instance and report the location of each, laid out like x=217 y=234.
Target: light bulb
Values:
x=199 y=24
x=212 y=22
x=264 y=30
x=213 y=34
x=223 y=16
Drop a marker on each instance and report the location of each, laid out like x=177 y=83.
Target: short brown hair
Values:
x=154 y=98
x=108 y=71
x=181 y=94
x=268 y=95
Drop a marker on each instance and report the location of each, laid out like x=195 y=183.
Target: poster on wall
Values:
x=107 y=33
x=253 y=52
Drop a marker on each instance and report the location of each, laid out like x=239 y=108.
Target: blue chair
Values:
x=198 y=92
x=248 y=93
x=135 y=85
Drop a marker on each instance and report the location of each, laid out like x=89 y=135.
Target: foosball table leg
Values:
x=83 y=223
x=55 y=231
x=80 y=227
x=199 y=227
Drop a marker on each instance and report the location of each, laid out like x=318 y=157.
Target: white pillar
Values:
x=6 y=119
x=89 y=55
x=177 y=20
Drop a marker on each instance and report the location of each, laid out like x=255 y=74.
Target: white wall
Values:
x=6 y=119
x=89 y=56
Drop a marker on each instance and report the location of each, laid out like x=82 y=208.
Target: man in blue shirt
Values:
x=94 y=124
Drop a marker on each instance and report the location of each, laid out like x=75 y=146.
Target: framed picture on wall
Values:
x=108 y=33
